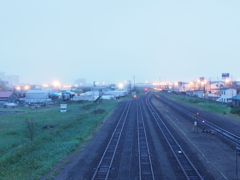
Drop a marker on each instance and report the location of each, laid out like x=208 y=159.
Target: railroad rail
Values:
x=104 y=167
x=144 y=158
x=225 y=133
x=188 y=170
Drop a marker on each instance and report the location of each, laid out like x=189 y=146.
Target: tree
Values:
x=30 y=128
x=3 y=86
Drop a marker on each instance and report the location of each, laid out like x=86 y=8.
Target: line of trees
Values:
x=3 y=87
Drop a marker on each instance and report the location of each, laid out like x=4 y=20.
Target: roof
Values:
x=213 y=95
x=5 y=94
x=226 y=88
x=236 y=97
x=37 y=90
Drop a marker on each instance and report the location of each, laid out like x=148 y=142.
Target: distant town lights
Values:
x=56 y=83
x=26 y=87
x=120 y=85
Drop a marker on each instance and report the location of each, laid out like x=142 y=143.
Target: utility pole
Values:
x=159 y=83
x=134 y=82
x=130 y=86
x=210 y=86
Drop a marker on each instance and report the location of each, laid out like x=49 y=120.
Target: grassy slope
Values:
x=21 y=158
x=200 y=103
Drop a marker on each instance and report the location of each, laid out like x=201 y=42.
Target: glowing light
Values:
x=26 y=87
x=18 y=88
x=56 y=83
x=227 y=80
x=120 y=85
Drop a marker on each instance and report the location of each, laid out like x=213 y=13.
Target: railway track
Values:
x=104 y=167
x=144 y=159
x=188 y=170
x=205 y=123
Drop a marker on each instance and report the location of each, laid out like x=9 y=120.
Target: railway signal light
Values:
x=203 y=122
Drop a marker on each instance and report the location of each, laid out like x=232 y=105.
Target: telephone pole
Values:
x=134 y=82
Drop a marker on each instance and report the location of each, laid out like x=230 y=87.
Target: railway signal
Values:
x=195 y=126
x=195 y=123
x=203 y=122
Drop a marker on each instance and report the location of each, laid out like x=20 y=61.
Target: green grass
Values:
x=200 y=103
x=21 y=158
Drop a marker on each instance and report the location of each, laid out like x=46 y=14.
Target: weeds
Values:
x=31 y=154
x=29 y=131
x=235 y=110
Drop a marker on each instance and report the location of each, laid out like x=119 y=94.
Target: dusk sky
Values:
x=112 y=41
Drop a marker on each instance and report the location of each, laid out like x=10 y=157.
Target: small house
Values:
x=227 y=94
x=8 y=96
x=236 y=100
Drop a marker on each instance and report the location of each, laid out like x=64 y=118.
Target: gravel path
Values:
x=217 y=156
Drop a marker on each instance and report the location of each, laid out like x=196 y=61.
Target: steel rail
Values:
x=103 y=169
x=144 y=157
x=189 y=171
x=227 y=134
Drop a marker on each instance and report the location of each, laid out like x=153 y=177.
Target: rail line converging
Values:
x=221 y=131
x=144 y=161
x=188 y=170
x=104 y=167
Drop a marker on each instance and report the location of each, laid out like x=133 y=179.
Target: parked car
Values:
x=10 y=105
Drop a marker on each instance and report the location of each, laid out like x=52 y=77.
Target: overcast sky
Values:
x=112 y=41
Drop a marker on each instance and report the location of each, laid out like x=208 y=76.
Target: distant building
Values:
x=227 y=94
x=37 y=93
x=80 y=82
x=8 y=96
x=236 y=100
x=12 y=80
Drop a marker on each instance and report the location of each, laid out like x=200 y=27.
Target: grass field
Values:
x=33 y=140
x=200 y=103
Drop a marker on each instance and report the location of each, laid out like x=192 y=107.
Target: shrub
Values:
x=235 y=110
